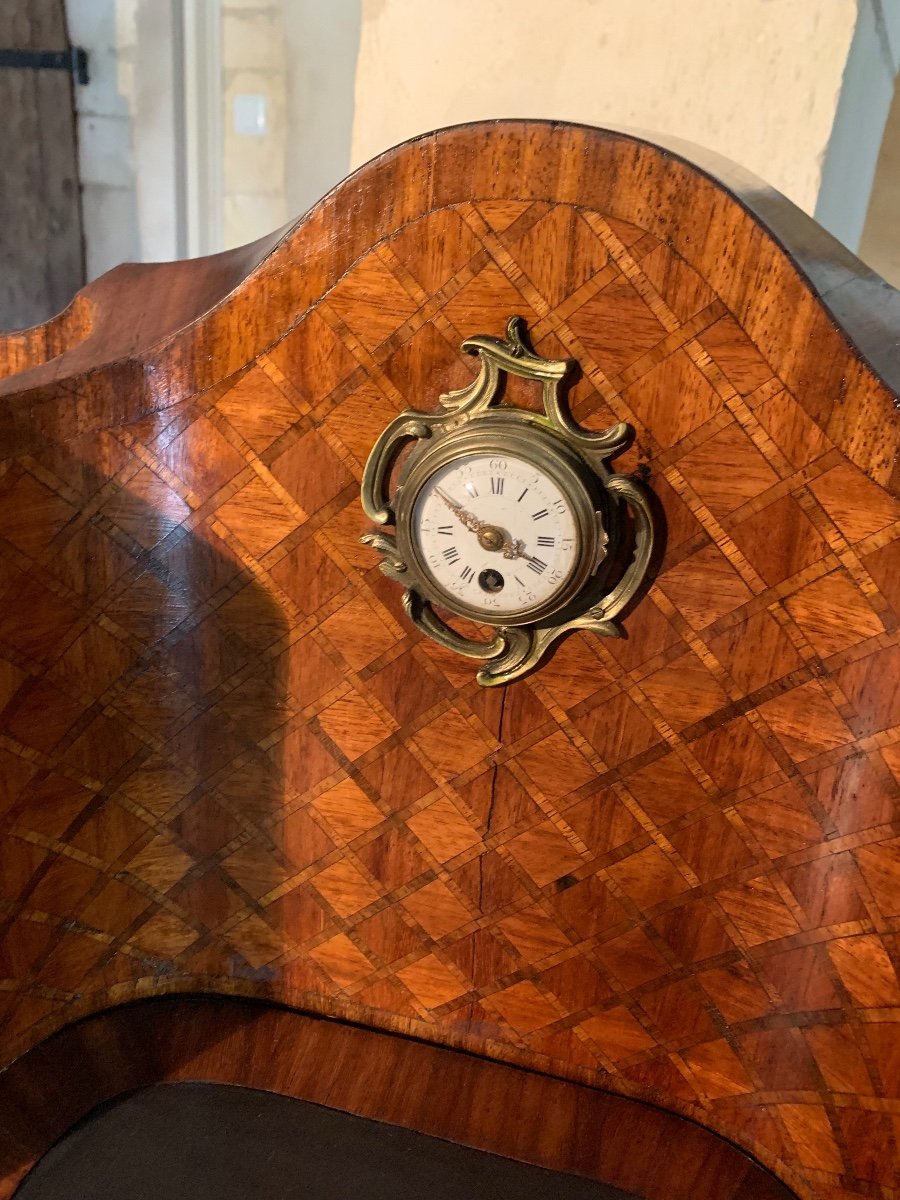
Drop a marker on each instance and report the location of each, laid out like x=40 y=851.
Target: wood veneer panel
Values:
x=666 y=865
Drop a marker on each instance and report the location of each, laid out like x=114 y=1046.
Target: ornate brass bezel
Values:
x=508 y=431
x=474 y=421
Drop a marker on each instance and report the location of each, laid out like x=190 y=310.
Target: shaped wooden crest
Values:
x=651 y=890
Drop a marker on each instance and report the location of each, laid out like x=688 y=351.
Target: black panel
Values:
x=201 y=1141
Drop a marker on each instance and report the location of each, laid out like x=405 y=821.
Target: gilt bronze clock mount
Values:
x=508 y=517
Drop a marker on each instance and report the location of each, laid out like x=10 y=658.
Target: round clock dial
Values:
x=497 y=534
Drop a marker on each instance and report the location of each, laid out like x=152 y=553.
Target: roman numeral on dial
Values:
x=537 y=566
x=451 y=554
x=546 y=541
x=540 y=514
x=496 y=486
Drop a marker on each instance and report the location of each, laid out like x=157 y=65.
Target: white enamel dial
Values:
x=497 y=534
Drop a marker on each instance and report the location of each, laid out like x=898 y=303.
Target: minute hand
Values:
x=469 y=520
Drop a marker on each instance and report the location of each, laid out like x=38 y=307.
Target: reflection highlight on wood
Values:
x=667 y=866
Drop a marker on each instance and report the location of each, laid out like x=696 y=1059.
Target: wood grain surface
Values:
x=667 y=866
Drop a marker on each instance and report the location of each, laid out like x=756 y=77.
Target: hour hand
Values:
x=516 y=549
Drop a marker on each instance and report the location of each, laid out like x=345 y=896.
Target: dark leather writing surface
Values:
x=202 y=1141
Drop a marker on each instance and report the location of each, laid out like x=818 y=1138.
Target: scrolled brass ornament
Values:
x=508 y=517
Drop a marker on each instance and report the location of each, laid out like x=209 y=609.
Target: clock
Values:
x=499 y=521
x=508 y=517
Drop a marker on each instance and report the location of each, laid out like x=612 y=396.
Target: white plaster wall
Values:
x=128 y=123
x=254 y=62
x=880 y=245
x=158 y=134
x=301 y=56
x=322 y=44
x=106 y=29
x=867 y=89
x=795 y=90
x=755 y=80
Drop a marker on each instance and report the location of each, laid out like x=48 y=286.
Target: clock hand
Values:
x=516 y=549
x=469 y=520
x=447 y=500
x=493 y=538
x=490 y=537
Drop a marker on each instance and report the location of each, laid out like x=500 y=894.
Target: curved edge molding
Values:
x=191 y=307
x=450 y=1094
